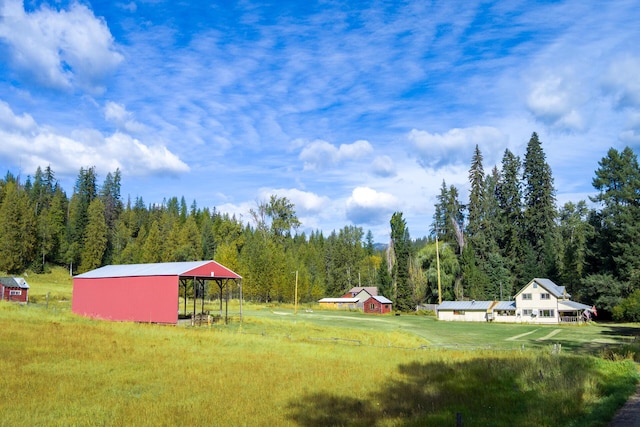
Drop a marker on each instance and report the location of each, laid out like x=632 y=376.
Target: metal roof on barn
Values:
x=14 y=282
x=188 y=269
x=381 y=299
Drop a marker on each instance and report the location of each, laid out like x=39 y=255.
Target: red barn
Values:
x=377 y=304
x=14 y=289
x=143 y=292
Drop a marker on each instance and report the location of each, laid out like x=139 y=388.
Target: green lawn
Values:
x=313 y=368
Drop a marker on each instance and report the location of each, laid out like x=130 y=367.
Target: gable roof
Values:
x=189 y=268
x=14 y=282
x=381 y=299
x=371 y=290
x=555 y=290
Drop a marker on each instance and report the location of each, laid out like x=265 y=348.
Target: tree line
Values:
x=508 y=232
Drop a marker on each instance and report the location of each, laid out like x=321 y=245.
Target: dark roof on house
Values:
x=158 y=269
x=14 y=282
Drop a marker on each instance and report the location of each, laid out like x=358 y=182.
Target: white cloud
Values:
x=305 y=202
x=456 y=145
x=383 y=166
x=32 y=145
x=321 y=154
x=368 y=206
x=59 y=49
x=623 y=82
x=553 y=101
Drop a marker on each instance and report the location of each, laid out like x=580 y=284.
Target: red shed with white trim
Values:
x=142 y=292
x=377 y=304
x=14 y=289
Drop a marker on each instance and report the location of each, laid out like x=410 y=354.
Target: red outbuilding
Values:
x=377 y=304
x=14 y=289
x=145 y=292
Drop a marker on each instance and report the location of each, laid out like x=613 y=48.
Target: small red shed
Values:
x=377 y=304
x=143 y=292
x=14 y=289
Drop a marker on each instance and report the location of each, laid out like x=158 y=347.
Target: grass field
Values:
x=316 y=368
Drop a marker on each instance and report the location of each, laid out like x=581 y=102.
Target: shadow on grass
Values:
x=534 y=391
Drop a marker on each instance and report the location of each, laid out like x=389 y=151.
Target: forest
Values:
x=507 y=232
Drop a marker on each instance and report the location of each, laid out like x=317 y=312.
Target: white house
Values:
x=540 y=301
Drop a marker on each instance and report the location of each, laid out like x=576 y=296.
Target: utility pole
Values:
x=438 y=267
x=295 y=303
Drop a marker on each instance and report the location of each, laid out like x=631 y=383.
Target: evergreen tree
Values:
x=17 y=229
x=477 y=197
x=618 y=229
x=400 y=271
x=509 y=192
x=540 y=210
x=95 y=237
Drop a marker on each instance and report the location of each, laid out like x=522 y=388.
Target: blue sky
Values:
x=352 y=110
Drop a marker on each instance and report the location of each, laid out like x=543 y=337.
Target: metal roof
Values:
x=153 y=269
x=337 y=300
x=505 y=305
x=381 y=299
x=465 y=305
x=371 y=290
x=572 y=306
x=557 y=291
x=14 y=282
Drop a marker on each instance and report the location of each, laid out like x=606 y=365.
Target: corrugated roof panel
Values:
x=465 y=305
x=337 y=300
x=572 y=305
x=557 y=291
x=505 y=305
x=134 y=270
x=381 y=299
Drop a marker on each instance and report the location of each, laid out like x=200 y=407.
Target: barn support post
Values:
x=185 y=297
x=202 y=295
x=226 y=312
x=240 y=284
x=194 y=296
x=219 y=282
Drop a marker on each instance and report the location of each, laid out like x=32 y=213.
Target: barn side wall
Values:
x=139 y=299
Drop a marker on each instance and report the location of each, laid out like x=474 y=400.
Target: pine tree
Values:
x=618 y=228
x=95 y=237
x=509 y=193
x=477 y=196
x=17 y=229
x=400 y=270
x=540 y=210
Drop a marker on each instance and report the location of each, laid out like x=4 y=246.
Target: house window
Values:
x=17 y=292
x=526 y=296
x=458 y=312
x=527 y=312
x=547 y=313
x=535 y=285
x=372 y=306
x=545 y=296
